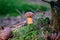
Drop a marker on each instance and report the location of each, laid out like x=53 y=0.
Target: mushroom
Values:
x=29 y=16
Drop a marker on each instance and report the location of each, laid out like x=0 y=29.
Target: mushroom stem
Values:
x=29 y=20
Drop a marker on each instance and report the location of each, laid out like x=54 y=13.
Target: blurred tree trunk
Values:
x=56 y=19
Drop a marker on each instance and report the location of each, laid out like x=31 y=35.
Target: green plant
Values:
x=28 y=32
x=21 y=32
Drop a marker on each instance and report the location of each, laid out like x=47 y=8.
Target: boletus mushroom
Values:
x=29 y=16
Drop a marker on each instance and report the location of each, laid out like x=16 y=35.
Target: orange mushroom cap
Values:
x=29 y=14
